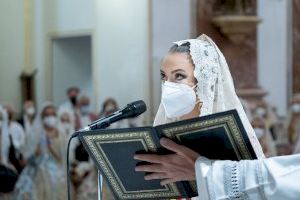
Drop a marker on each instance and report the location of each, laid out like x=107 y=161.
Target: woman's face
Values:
x=178 y=68
x=50 y=111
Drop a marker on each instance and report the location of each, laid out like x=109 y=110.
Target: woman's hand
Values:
x=171 y=168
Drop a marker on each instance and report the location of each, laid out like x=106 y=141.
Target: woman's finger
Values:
x=150 y=168
x=149 y=158
x=179 y=149
x=170 y=145
x=167 y=181
x=156 y=176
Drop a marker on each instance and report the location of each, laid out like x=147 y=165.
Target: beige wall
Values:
x=120 y=40
x=11 y=51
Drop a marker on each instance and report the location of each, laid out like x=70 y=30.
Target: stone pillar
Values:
x=228 y=25
x=296 y=46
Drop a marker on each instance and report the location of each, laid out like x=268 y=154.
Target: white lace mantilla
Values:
x=215 y=86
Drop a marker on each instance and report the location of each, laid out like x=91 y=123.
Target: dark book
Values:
x=218 y=136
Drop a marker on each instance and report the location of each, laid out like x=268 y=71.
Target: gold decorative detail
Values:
x=95 y=141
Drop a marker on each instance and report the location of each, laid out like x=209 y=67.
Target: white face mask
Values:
x=261 y=112
x=177 y=99
x=260 y=132
x=50 y=121
x=85 y=110
x=296 y=108
x=30 y=111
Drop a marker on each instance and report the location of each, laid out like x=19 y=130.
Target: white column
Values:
x=121 y=49
x=274 y=51
x=172 y=20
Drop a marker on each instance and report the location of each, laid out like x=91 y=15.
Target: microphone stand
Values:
x=100 y=186
x=131 y=110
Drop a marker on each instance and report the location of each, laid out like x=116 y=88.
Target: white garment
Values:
x=27 y=151
x=68 y=108
x=4 y=136
x=274 y=178
x=17 y=133
x=85 y=120
x=215 y=86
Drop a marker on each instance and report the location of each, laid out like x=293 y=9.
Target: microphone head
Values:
x=135 y=108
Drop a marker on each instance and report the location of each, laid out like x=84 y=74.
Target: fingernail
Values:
x=137 y=169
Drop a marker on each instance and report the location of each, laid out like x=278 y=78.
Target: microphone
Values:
x=133 y=109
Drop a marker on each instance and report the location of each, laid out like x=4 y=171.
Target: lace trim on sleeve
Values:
x=260 y=179
x=234 y=180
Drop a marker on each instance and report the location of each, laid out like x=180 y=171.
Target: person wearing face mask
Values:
x=28 y=115
x=44 y=176
x=293 y=120
x=72 y=93
x=264 y=136
x=27 y=122
x=110 y=106
x=86 y=116
x=84 y=169
x=65 y=124
x=272 y=178
x=71 y=106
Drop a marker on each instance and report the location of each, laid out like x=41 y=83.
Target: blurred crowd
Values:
x=277 y=135
x=33 y=146
x=33 y=149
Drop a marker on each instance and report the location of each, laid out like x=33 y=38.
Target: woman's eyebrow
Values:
x=177 y=70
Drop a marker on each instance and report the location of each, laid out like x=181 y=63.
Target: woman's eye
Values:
x=162 y=77
x=179 y=77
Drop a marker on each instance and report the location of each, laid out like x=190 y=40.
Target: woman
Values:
x=274 y=178
x=44 y=177
x=196 y=82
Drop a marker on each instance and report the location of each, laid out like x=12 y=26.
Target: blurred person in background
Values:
x=84 y=117
x=264 y=136
x=268 y=113
x=110 y=106
x=71 y=106
x=86 y=172
x=27 y=121
x=16 y=137
x=44 y=176
x=293 y=120
x=4 y=137
x=65 y=124
x=8 y=173
x=85 y=114
x=294 y=125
